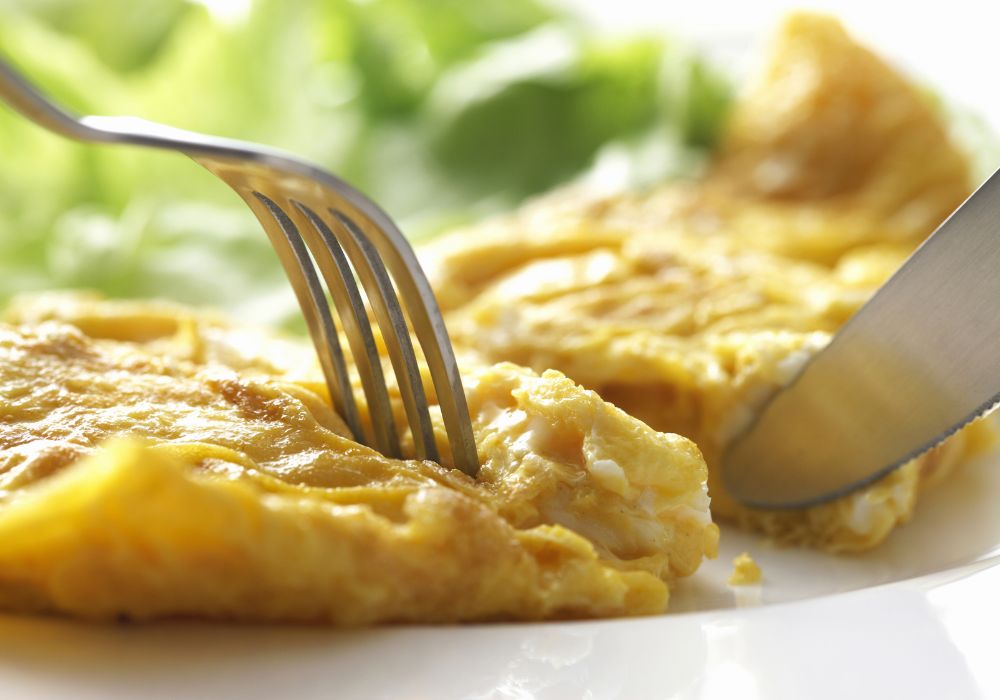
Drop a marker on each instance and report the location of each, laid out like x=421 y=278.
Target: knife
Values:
x=920 y=360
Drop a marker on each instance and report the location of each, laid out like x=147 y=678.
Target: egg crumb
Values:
x=745 y=571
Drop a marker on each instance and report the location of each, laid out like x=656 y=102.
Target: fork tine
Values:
x=389 y=314
x=428 y=324
x=336 y=270
x=299 y=268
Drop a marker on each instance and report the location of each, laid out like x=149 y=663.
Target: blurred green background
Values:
x=444 y=111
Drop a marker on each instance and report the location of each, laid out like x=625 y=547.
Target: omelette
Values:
x=159 y=462
x=690 y=305
x=163 y=462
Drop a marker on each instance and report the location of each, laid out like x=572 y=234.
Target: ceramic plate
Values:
x=917 y=618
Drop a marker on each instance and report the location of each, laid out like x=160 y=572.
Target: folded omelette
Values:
x=157 y=462
x=690 y=305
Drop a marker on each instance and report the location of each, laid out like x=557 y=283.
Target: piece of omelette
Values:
x=157 y=462
x=688 y=306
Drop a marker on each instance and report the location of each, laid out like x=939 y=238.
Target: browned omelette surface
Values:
x=152 y=466
x=688 y=306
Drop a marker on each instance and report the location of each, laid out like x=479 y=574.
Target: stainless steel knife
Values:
x=920 y=360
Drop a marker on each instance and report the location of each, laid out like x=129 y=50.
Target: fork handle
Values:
x=16 y=91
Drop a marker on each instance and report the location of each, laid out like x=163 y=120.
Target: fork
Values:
x=316 y=220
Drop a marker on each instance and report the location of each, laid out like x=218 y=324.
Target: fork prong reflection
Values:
x=389 y=314
x=428 y=327
x=336 y=270
x=312 y=299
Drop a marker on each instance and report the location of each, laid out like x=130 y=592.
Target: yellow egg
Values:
x=688 y=306
x=156 y=462
x=746 y=572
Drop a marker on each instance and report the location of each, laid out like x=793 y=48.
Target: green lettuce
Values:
x=442 y=110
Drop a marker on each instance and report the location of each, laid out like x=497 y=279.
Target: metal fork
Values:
x=316 y=220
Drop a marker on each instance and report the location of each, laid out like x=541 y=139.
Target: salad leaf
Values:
x=528 y=116
x=442 y=110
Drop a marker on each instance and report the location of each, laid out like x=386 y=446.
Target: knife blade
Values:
x=920 y=360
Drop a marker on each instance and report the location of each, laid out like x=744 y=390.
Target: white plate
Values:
x=819 y=627
x=918 y=618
